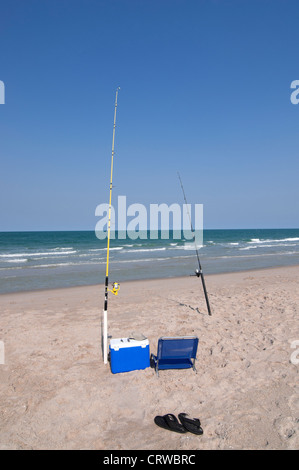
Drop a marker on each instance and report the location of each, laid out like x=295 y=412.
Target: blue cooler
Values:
x=128 y=354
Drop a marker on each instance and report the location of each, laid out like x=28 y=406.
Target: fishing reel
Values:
x=115 y=288
x=198 y=273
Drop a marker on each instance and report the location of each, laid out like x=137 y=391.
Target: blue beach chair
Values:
x=176 y=352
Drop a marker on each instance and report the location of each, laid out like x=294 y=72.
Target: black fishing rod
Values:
x=198 y=272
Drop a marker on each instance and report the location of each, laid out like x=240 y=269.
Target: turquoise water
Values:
x=40 y=260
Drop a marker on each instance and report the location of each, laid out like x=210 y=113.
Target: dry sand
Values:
x=56 y=393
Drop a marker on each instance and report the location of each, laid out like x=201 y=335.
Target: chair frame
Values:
x=156 y=359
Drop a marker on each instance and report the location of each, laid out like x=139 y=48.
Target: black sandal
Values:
x=191 y=424
x=170 y=422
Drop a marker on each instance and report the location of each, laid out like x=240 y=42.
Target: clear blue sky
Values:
x=205 y=90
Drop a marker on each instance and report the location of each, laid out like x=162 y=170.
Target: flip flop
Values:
x=170 y=422
x=191 y=424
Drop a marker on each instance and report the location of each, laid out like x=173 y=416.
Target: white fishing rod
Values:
x=115 y=284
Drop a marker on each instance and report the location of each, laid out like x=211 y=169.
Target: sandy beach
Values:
x=56 y=393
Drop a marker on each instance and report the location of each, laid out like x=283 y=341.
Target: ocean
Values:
x=43 y=260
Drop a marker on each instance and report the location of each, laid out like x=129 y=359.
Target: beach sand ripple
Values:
x=56 y=393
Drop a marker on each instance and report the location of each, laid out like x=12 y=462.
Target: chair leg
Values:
x=157 y=368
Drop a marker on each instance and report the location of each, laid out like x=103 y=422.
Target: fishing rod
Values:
x=198 y=272
x=115 y=285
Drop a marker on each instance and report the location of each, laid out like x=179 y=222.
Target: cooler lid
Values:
x=119 y=343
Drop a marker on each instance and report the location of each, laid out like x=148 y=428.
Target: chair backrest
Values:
x=177 y=347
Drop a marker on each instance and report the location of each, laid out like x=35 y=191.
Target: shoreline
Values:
x=161 y=279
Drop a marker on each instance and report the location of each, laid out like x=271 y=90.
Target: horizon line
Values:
x=160 y=230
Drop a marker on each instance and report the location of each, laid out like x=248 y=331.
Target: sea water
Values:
x=42 y=260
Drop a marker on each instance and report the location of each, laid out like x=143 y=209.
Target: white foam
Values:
x=280 y=253
x=257 y=240
x=105 y=249
x=18 y=260
x=63 y=248
x=47 y=253
x=190 y=246
x=13 y=255
x=145 y=249
x=268 y=246
x=55 y=265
